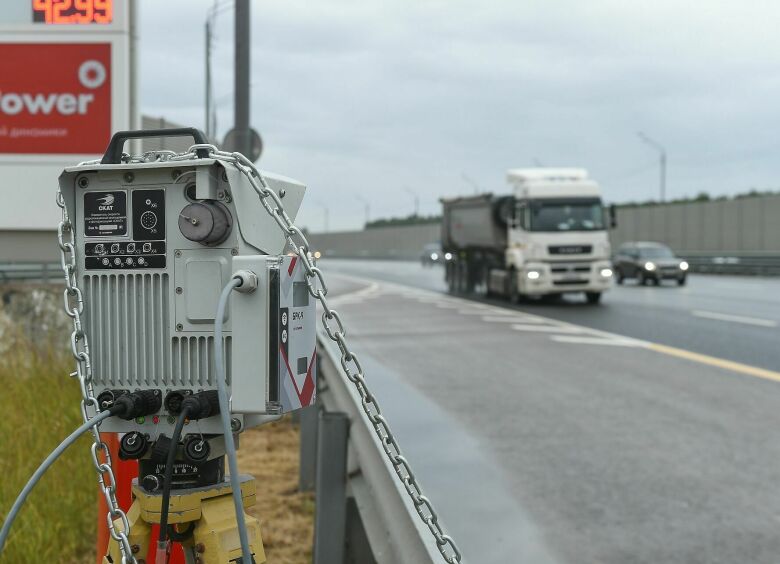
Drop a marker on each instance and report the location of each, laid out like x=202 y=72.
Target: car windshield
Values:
x=583 y=215
x=656 y=252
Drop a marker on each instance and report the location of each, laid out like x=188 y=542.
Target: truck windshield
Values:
x=582 y=215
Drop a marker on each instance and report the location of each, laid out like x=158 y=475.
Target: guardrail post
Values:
x=331 y=487
x=308 y=458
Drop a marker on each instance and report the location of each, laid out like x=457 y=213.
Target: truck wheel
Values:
x=681 y=281
x=511 y=288
x=463 y=273
x=449 y=276
x=593 y=297
x=481 y=285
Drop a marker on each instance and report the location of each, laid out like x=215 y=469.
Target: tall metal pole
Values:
x=662 y=152
x=416 y=200
x=663 y=176
x=241 y=106
x=366 y=207
x=209 y=133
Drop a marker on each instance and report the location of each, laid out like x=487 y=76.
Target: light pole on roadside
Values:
x=662 y=152
x=326 y=214
x=366 y=207
x=416 y=200
x=211 y=112
x=470 y=181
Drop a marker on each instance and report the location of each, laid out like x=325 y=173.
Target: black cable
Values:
x=168 y=476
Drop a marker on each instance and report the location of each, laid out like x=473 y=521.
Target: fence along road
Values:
x=615 y=451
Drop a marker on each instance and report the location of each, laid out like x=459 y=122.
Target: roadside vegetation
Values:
x=40 y=404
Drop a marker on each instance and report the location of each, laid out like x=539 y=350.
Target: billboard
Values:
x=66 y=83
x=55 y=98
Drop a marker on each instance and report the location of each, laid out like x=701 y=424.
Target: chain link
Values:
x=74 y=307
x=298 y=244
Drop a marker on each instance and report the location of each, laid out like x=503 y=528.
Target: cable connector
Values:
x=201 y=405
x=248 y=281
x=137 y=404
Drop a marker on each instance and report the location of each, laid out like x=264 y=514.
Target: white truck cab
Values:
x=558 y=240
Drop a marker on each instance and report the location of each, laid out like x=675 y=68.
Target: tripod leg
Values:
x=140 y=535
x=216 y=539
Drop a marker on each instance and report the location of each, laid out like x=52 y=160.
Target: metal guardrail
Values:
x=362 y=510
x=763 y=264
x=46 y=272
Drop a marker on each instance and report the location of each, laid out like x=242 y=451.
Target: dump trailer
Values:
x=547 y=238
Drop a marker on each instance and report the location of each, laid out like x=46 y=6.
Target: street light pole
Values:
x=326 y=214
x=208 y=79
x=416 y=200
x=662 y=152
x=470 y=182
x=241 y=109
x=366 y=207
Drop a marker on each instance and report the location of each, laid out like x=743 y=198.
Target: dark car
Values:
x=433 y=254
x=649 y=263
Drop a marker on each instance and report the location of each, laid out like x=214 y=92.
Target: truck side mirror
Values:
x=613 y=216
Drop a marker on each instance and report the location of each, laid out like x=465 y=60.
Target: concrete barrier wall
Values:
x=742 y=226
x=404 y=242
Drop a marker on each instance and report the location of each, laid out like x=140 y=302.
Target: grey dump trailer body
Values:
x=474 y=223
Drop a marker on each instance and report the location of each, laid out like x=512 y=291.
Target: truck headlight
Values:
x=649 y=266
x=434 y=256
x=683 y=265
x=606 y=272
x=532 y=274
x=447 y=256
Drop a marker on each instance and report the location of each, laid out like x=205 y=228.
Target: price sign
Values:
x=72 y=11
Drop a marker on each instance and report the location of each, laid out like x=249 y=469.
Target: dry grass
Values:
x=270 y=454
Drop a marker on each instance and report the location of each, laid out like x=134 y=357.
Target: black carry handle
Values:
x=113 y=153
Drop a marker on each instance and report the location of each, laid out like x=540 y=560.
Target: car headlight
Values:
x=683 y=265
x=447 y=256
x=532 y=274
x=649 y=266
x=317 y=254
x=434 y=256
x=606 y=272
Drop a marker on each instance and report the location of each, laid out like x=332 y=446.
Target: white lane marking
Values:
x=548 y=328
x=357 y=296
x=510 y=319
x=734 y=318
x=594 y=341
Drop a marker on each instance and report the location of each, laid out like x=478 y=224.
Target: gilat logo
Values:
x=106 y=203
x=92 y=75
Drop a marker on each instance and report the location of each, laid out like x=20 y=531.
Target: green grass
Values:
x=40 y=406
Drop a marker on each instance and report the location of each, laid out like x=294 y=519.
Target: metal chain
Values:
x=74 y=307
x=298 y=243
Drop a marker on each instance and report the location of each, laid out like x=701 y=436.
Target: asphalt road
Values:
x=590 y=447
x=735 y=318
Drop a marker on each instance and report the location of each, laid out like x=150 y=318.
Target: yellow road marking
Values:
x=719 y=362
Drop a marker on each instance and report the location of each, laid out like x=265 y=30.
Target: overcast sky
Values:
x=380 y=99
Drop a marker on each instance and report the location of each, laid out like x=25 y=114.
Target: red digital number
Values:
x=85 y=11
x=45 y=7
x=59 y=7
x=107 y=9
x=74 y=11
